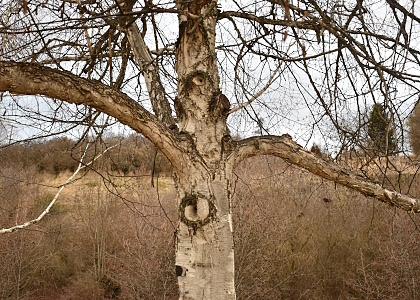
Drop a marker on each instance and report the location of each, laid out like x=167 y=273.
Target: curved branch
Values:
x=285 y=148
x=32 y=79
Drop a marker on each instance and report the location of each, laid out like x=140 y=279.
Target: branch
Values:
x=285 y=148
x=150 y=71
x=395 y=4
x=259 y=93
x=262 y=20
x=32 y=79
x=68 y=181
x=272 y=78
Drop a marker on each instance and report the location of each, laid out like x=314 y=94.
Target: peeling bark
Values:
x=285 y=148
x=199 y=111
x=32 y=79
x=202 y=152
x=204 y=244
x=204 y=248
x=150 y=71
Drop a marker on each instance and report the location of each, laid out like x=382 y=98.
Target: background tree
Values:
x=380 y=131
x=254 y=67
x=414 y=127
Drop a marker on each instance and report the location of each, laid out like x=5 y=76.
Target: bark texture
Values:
x=32 y=79
x=150 y=71
x=205 y=259
x=285 y=148
x=204 y=248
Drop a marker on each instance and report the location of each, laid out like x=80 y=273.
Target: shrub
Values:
x=380 y=131
x=414 y=129
x=296 y=237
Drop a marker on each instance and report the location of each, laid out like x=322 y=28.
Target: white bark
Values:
x=203 y=174
x=31 y=79
x=54 y=200
x=285 y=148
x=204 y=248
x=150 y=72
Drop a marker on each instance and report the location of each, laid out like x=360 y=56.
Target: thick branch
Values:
x=285 y=148
x=150 y=71
x=32 y=79
x=262 y=20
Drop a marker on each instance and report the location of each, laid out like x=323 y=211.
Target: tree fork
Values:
x=33 y=79
x=202 y=152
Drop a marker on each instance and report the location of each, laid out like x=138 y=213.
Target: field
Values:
x=111 y=235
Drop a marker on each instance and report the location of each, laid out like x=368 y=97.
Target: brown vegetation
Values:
x=299 y=237
x=133 y=154
x=296 y=236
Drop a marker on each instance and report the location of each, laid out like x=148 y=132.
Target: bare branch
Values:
x=68 y=181
x=272 y=78
x=260 y=92
x=150 y=72
x=262 y=20
x=285 y=148
x=32 y=79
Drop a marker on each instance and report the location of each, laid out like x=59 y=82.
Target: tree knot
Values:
x=196 y=210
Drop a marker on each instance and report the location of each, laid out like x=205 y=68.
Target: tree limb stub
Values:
x=285 y=148
x=33 y=79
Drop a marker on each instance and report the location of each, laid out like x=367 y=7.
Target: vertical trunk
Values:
x=204 y=248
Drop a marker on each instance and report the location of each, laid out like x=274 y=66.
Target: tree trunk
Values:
x=204 y=244
x=204 y=247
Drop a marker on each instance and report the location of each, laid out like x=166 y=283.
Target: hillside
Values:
x=111 y=234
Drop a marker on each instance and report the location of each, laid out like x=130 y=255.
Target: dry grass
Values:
x=296 y=237
x=299 y=237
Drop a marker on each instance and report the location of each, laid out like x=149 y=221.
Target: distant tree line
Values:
x=133 y=153
x=379 y=135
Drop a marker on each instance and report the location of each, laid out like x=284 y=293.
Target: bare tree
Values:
x=308 y=68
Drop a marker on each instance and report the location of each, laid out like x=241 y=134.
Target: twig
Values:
x=258 y=94
x=68 y=181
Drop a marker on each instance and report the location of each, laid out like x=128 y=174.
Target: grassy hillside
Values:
x=111 y=234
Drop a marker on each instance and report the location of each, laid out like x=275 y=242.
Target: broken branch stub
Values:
x=196 y=211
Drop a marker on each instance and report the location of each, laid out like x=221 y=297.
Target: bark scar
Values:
x=196 y=211
x=180 y=271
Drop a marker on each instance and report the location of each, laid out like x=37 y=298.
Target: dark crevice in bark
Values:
x=196 y=211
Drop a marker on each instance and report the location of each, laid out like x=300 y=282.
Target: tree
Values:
x=380 y=131
x=414 y=126
x=259 y=63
